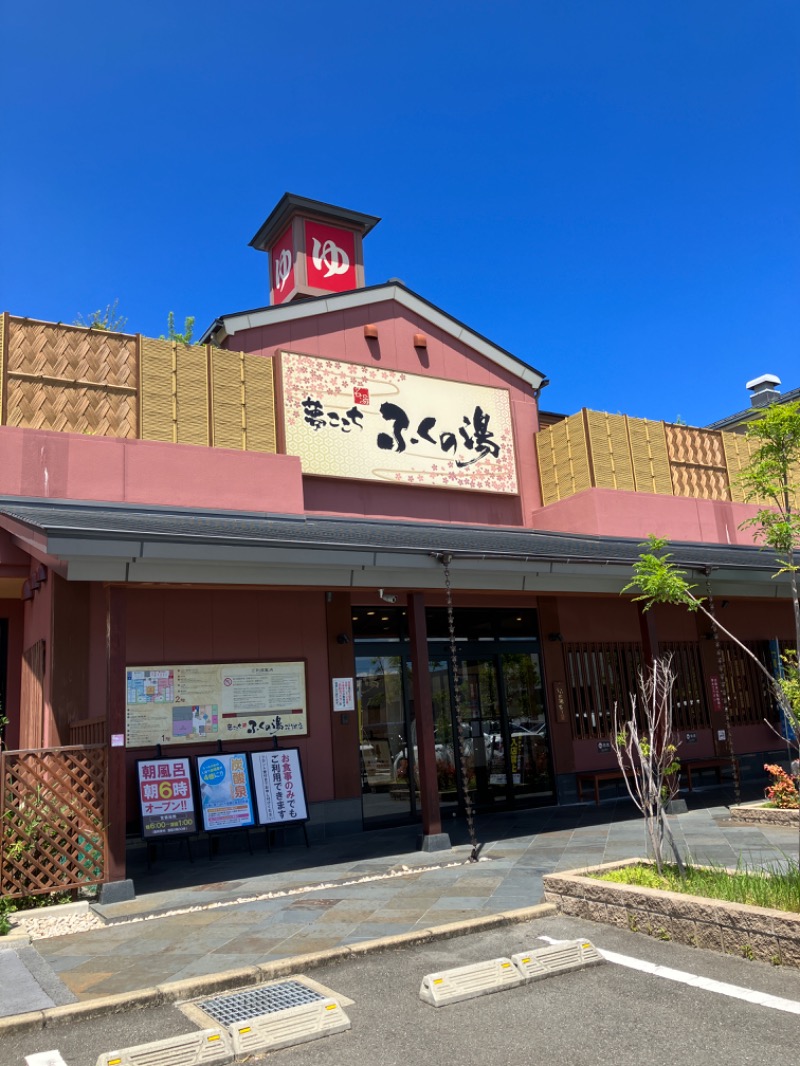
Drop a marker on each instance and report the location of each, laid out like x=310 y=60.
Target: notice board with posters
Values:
x=197 y=703
x=279 y=787
x=166 y=797
x=225 y=793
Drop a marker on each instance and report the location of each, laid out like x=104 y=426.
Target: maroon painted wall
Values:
x=227 y=625
x=340 y=335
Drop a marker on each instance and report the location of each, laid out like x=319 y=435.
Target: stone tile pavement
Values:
x=192 y=919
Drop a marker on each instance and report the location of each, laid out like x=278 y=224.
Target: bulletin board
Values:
x=198 y=703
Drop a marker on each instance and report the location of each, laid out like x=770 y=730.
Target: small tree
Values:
x=180 y=338
x=772 y=478
x=648 y=758
x=108 y=319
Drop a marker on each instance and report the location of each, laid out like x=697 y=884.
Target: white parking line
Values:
x=722 y=988
x=45 y=1058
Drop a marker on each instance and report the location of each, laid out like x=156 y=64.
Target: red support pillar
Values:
x=433 y=839
x=117 y=887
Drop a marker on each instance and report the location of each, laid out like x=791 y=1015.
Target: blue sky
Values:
x=608 y=188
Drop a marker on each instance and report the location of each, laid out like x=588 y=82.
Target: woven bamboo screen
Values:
x=205 y=395
x=243 y=401
x=649 y=455
x=697 y=458
x=563 y=455
x=610 y=450
x=53 y=813
x=593 y=449
x=80 y=380
x=69 y=378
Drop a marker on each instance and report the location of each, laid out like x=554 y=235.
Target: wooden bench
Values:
x=692 y=766
x=594 y=777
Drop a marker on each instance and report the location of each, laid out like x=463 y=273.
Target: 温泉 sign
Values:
x=197 y=703
x=225 y=795
x=279 y=787
x=166 y=797
x=353 y=421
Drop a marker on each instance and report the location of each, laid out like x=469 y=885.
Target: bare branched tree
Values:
x=647 y=755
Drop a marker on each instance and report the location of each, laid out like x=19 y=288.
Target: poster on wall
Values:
x=225 y=794
x=354 y=421
x=223 y=701
x=279 y=787
x=344 y=697
x=166 y=797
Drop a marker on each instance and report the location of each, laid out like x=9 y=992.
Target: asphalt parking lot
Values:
x=611 y=1013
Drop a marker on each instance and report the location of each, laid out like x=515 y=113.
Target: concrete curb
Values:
x=230 y=980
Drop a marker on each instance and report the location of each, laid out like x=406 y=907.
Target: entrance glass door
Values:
x=504 y=727
x=484 y=755
x=526 y=725
x=387 y=759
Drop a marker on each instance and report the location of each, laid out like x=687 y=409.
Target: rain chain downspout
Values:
x=723 y=684
x=445 y=560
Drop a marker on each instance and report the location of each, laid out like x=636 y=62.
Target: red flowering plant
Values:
x=782 y=792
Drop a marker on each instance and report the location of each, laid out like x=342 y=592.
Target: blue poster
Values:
x=226 y=795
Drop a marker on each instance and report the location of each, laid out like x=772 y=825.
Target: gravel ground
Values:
x=42 y=925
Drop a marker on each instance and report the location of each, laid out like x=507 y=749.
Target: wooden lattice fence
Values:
x=53 y=805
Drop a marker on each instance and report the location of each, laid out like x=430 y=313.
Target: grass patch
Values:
x=777 y=887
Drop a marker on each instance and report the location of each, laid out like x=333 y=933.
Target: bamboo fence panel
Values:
x=191 y=396
x=697 y=459
x=53 y=804
x=610 y=451
x=4 y=323
x=649 y=456
x=157 y=391
x=563 y=457
x=70 y=379
x=260 y=426
x=228 y=399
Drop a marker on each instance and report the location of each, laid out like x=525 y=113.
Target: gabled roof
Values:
x=229 y=325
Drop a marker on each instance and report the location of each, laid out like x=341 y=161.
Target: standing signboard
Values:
x=225 y=792
x=166 y=798
x=279 y=787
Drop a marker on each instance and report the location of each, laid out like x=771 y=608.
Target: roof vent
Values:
x=763 y=390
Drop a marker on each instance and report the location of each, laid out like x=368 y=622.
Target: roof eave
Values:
x=229 y=325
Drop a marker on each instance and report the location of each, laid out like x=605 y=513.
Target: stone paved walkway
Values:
x=238 y=909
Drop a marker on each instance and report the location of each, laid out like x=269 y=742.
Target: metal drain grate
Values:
x=240 y=1006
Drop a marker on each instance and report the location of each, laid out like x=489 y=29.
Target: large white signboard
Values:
x=278 y=786
x=197 y=703
x=353 y=421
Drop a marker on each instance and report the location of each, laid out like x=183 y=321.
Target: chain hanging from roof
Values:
x=469 y=811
